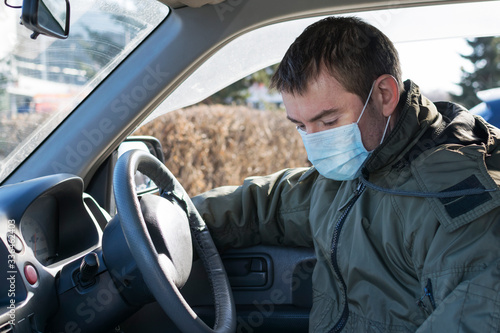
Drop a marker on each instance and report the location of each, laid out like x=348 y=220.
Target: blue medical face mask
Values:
x=338 y=153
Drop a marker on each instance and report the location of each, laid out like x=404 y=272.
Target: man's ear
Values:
x=386 y=94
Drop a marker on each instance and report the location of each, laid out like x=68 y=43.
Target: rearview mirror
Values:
x=46 y=17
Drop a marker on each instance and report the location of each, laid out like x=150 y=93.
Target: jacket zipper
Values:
x=427 y=293
x=336 y=233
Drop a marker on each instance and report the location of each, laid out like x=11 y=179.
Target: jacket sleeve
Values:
x=460 y=278
x=272 y=210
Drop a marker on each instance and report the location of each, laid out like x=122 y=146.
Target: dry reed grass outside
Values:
x=207 y=146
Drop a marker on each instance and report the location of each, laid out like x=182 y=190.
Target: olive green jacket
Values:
x=413 y=245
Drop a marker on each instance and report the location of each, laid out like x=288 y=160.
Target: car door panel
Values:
x=271 y=287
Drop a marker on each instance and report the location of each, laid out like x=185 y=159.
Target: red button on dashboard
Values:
x=30 y=274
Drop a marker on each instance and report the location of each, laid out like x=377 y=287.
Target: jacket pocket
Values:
x=469 y=308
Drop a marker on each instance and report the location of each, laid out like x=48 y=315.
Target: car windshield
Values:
x=43 y=80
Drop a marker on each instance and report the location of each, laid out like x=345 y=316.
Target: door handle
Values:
x=251 y=272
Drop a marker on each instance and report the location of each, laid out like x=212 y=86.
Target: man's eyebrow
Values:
x=292 y=120
x=316 y=117
x=323 y=114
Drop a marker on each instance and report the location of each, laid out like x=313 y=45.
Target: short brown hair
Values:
x=353 y=51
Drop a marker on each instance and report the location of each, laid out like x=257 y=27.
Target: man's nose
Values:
x=312 y=128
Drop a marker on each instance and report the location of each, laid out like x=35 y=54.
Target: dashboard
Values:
x=47 y=225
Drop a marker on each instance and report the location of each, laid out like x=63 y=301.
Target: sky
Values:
x=435 y=64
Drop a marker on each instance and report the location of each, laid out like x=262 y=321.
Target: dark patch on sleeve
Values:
x=457 y=206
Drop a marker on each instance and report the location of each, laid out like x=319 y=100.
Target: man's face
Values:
x=326 y=104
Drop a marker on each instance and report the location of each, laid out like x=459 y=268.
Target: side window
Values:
x=242 y=130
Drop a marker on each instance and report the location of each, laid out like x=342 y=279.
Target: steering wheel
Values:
x=162 y=251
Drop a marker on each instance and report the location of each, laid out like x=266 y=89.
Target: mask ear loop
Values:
x=385 y=130
x=366 y=103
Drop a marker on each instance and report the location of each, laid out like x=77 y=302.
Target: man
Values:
x=401 y=205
